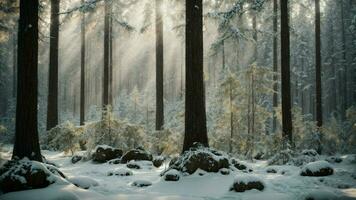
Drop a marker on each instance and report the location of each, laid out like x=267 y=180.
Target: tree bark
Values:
x=195 y=116
x=343 y=74
x=159 y=67
x=111 y=59
x=319 y=115
x=275 y=64
x=106 y=70
x=14 y=69
x=52 y=106
x=82 y=70
x=285 y=71
x=26 y=133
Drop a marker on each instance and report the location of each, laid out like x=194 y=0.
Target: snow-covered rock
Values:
x=158 y=161
x=203 y=158
x=83 y=182
x=318 y=168
x=172 y=175
x=76 y=158
x=245 y=182
x=136 y=154
x=133 y=165
x=240 y=165
x=334 y=159
x=290 y=157
x=271 y=170
x=104 y=153
x=321 y=195
x=224 y=171
x=141 y=183
x=120 y=172
x=16 y=175
x=309 y=152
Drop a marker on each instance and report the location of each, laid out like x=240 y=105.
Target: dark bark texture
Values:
x=52 y=106
x=159 y=67
x=82 y=69
x=26 y=133
x=285 y=69
x=195 y=116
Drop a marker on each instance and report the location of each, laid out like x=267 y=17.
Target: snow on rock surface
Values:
x=318 y=168
x=16 y=175
x=207 y=159
x=104 y=153
x=172 y=175
x=245 y=182
x=141 y=183
x=83 y=182
x=136 y=154
x=212 y=186
x=120 y=172
x=321 y=195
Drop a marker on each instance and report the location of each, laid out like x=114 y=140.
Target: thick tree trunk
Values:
x=106 y=70
x=319 y=115
x=195 y=116
x=82 y=70
x=159 y=67
x=26 y=133
x=52 y=106
x=275 y=64
x=285 y=69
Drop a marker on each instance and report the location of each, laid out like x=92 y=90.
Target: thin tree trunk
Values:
x=231 y=120
x=195 y=116
x=82 y=70
x=275 y=64
x=332 y=65
x=319 y=115
x=223 y=53
x=285 y=71
x=159 y=67
x=26 y=132
x=105 y=94
x=52 y=106
x=111 y=59
x=14 y=69
x=344 y=64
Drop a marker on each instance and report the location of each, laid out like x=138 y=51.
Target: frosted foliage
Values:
x=113 y=132
x=64 y=137
x=166 y=142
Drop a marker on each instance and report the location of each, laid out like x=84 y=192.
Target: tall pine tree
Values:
x=26 y=133
x=52 y=105
x=195 y=115
x=285 y=70
x=159 y=67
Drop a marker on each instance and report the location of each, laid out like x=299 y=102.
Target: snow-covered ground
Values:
x=285 y=184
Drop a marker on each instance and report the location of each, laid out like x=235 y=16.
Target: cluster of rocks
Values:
x=318 y=168
x=25 y=174
x=16 y=175
x=199 y=157
x=246 y=182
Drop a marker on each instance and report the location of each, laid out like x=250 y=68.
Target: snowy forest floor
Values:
x=287 y=185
